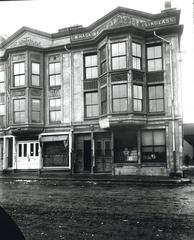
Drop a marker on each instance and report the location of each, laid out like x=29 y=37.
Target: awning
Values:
x=54 y=138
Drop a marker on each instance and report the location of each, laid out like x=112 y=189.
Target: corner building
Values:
x=100 y=99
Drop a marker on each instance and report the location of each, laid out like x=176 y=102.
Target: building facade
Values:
x=100 y=99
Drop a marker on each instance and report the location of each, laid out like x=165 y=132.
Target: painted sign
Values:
x=121 y=21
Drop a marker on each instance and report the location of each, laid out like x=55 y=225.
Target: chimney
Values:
x=167 y=4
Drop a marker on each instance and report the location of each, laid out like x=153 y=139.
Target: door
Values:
x=28 y=155
x=87 y=155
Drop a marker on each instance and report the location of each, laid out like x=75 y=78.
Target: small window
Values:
x=118 y=54
x=19 y=74
x=2 y=82
x=91 y=68
x=154 y=58
x=137 y=98
x=107 y=148
x=36 y=110
x=19 y=110
x=35 y=74
x=137 y=56
x=119 y=98
x=103 y=60
x=104 y=100
x=156 y=98
x=55 y=74
x=91 y=104
x=55 y=110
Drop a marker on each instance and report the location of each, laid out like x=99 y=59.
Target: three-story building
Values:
x=98 y=99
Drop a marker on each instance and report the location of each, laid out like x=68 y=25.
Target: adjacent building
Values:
x=98 y=99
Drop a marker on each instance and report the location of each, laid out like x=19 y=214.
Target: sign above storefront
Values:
x=122 y=21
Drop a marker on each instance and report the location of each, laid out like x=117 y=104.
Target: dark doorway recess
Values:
x=87 y=155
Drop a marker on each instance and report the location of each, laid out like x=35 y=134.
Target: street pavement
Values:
x=53 y=210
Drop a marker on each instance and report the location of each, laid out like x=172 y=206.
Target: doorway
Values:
x=87 y=155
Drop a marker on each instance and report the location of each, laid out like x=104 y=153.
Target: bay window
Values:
x=19 y=74
x=136 y=56
x=119 y=98
x=35 y=74
x=156 y=98
x=154 y=58
x=118 y=55
x=137 y=98
x=36 y=110
x=19 y=110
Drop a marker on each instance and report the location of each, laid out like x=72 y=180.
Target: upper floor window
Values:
x=104 y=100
x=55 y=110
x=35 y=74
x=91 y=67
x=136 y=56
x=154 y=58
x=103 y=60
x=19 y=110
x=119 y=55
x=119 y=98
x=55 y=74
x=91 y=104
x=137 y=98
x=19 y=74
x=156 y=98
x=2 y=82
x=36 y=110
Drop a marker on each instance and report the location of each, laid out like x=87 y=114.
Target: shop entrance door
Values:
x=28 y=155
x=87 y=155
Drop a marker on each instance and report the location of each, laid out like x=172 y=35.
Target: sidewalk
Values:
x=128 y=179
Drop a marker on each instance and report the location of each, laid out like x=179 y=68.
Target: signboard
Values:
x=121 y=21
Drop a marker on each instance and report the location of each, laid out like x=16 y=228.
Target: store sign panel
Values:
x=121 y=21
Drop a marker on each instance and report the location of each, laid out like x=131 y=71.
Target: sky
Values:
x=51 y=15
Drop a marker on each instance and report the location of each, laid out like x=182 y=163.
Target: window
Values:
x=91 y=104
x=119 y=57
x=19 y=74
x=91 y=68
x=55 y=110
x=153 y=146
x=55 y=74
x=36 y=110
x=19 y=110
x=2 y=82
x=35 y=74
x=104 y=100
x=107 y=148
x=156 y=98
x=136 y=55
x=103 y=60
x=154 y=58
x=119 y=98
x=137 y=98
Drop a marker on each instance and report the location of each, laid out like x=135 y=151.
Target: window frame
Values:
x=34 y=74
x=104 y=101
x=18 y=75
x=153 y=146
x=119 y=56
x=119 y=98
x=137 y=57
x=20 y=111
x=154 y=58
x=103 y=61
x=156 y=99
x=54 y=74
x=86 y=105
x=137 y=99
x=90 y=67
x=54 y=110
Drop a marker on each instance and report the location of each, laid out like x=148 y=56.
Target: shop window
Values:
x=119 y=98
x=35 y=74
x=156 y=98
x=19 y=110
x=154 y=58
x=103 y=60
x=136 y=56
x=91 y=104
x=19 y=74
x=153 y=146
x=91 y=68
x=55 y=110
x=2 y=82
x=55 y=74
x=36 y=110
x=104 y=100
x=119 y=55
x=137 y=98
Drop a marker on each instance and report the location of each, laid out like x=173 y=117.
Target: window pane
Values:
x=152 y=106
x=57 y=68
x=52 y=80
x=151 y=65
x=103 y=53
x=115 y=50
x=35 y=80
x=51 y=68
x=123 y=90
x=116 y=105
x=95 y=110
x=123 y=105
x=115 y=63
x=57 y=80
x=122 y=62
x=122 y=48
x=94 y=72
x=159 y=137
x=35 y=68
x=88 y=61
x=146 y=138
x=89 y=111
x=35 y=104
x=35 y=116
x=25 y=150
x=157 y=51
x=58 y=116
x=88 y=73
x=159 y=92
x=22 y=105
x=103 y=67
x=2 y=87
x=58 y=102
x=94 y=60
x=52 y=103
x=31 y=149
x=152 y=92
x=20 y=150
x=16 y=68
x=22 y=80
x=2 y=77
x=36 y=149
x=88 y=98
x=2 y=110
x=158 y=64
x=95 y=98
x=160 y=105
x=21 y=66
x=150 y=52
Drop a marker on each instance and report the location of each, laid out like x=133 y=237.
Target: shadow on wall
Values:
x=8 y=228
